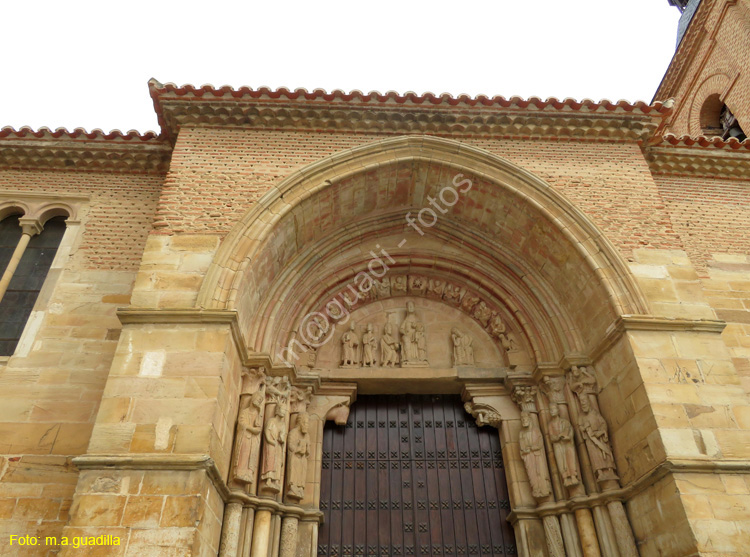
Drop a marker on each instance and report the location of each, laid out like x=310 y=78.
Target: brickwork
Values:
x=121 y=210
x=712 y=59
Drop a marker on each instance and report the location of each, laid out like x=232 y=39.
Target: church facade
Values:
x=306 y=323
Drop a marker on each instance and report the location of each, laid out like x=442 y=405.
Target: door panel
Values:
x=413 y=475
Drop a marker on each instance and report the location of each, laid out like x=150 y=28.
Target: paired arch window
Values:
x=26 y=254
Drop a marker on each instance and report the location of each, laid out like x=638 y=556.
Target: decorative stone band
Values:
x=700 y=161
x=624 y=494
x=194 y=462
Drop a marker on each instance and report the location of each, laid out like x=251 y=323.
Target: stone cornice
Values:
x=96 y=151
x=653 y=323
x=403 y=114
x=191 y=316
x=699 y=161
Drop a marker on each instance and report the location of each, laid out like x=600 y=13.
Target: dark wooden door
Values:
x=413 y=475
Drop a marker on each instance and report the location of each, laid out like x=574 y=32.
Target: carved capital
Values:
x=553 y=386
x=253 y=379
x=525 y=397
x=300 y=399
x=278 y=390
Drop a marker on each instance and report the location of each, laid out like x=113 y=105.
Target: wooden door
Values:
x=413 y=475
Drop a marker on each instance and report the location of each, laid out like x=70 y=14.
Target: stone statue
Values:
x=298 y=450
x=463 y=352
x=534 y=459
x=247 y=440
x=561 y=435
x=369 y=345
x=388 y=347
x=273 y=450
x=482 y=313
x=594 y=430
x=349 y=343
x=412 y=337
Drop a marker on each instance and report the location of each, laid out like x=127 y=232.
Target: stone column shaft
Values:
x=587 y=533
x=230 y=532
x=288 y=545
x=261 y=534
x=15 y=260
x=623 y=533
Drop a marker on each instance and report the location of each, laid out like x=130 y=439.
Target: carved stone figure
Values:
x=561 y=436
x=582 y=381
x=496 y=325
x=398 y=285
x=412 y=336
x=532 y=453
x=389 y=347
x=274 y=436
x=482 y=313
x=369 y=345
x=435 y=288
x=468 y=302
x=349 y=344
x=383 y=287
x=247 y=440
x=298 y=450
x=463 y=352
x=452 y=294
x=594 y=430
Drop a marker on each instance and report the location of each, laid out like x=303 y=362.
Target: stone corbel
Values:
x=484 y=414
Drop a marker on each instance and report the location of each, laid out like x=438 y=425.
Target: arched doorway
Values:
x=423 y=248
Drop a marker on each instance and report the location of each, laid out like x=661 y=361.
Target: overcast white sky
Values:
x=80 y=63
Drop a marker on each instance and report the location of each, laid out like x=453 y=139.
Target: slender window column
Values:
x=30 y=227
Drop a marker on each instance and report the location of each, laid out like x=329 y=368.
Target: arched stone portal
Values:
x=432 y=249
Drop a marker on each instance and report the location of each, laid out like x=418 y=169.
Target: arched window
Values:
x=717 y=119
x=27 y=278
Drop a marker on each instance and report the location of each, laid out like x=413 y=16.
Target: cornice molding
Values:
x=653 y=323
x=101 y=153
x=403 y=114
x=700 y=161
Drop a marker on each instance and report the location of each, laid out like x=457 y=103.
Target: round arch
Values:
x=535 y=249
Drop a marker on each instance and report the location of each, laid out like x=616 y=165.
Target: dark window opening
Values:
x=27 y=281
x=717 y=119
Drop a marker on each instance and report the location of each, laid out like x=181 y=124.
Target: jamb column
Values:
x=230 y=534
x=29 y=227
